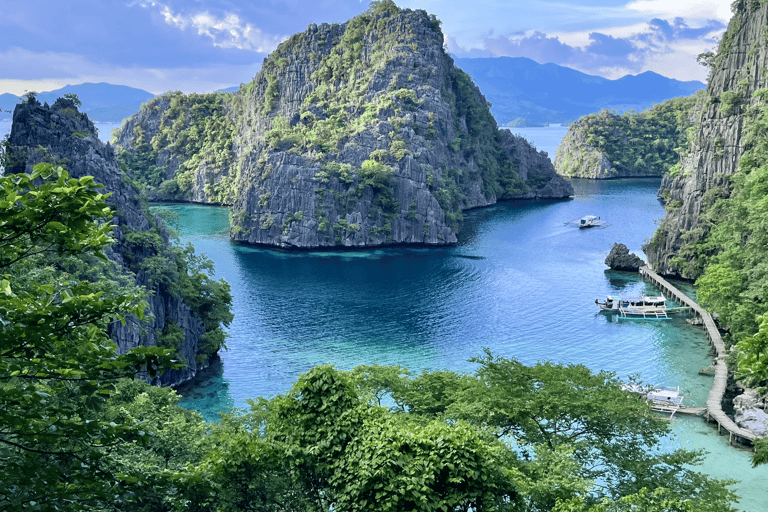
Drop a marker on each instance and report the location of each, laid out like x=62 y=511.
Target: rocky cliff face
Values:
x=61 y=135
x=576 y=158
x=737 y=73
x=352 y=135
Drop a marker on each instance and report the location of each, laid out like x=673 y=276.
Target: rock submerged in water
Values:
x=621 y=259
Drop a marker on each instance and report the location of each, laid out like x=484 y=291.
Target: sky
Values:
x=206 y=45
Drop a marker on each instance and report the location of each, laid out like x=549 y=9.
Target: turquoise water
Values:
x=520 y=283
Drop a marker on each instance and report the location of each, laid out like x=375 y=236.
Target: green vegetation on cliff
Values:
x=78 y=433
x=195 y=130
x=58 y=366
x=731 y=259
x=351 y=134
x=644 y=143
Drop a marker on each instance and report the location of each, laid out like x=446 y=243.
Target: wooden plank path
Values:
x=715 y=399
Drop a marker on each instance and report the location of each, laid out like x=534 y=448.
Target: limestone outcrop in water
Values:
x=61 y=135
x=621 y=259
x=351 y=135
x=733 y=91
x=633 y=145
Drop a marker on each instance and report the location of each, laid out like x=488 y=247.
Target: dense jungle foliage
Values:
x=648 y=142
x=731 y=259
x=194 y=135
x=77 y=432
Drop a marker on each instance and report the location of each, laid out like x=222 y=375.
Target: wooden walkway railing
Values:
x=714 y=401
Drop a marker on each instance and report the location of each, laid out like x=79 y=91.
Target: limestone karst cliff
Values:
x=645 y=144
x=733 y=94
x=351 y=135
x=61 y=135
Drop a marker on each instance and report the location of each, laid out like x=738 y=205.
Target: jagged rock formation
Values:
x=736 y=74
x=749 y=412
x=607 y=145
x=61 y=135
x=351 y=135
x=621 y=259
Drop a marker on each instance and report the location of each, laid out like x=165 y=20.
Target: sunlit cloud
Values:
x=667 y=47
x=699 y=9
x=229 y=31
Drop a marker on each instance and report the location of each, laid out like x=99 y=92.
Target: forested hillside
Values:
x=186 y=309
x=607 y=145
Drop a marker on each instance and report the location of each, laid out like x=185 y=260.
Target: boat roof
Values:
x=589 y=217
x=638 y=297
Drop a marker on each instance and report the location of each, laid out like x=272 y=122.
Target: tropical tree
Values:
x=58 y=367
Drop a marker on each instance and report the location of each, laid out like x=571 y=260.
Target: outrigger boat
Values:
x=639 y=307
x=644 y=306
x=665 y=400
x=589 y=221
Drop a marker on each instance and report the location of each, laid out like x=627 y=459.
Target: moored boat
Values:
x=643 y=306
x=613 y=303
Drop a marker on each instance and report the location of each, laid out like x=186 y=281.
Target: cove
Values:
x=520 y=282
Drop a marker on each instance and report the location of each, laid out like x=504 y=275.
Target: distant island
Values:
x=351 y=135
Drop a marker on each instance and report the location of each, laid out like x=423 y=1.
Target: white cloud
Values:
x=582 y=39
x=689 y=9
x=229 y=31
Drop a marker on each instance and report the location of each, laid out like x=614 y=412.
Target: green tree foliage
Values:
x=57 y=364
x=649 y=142
x=195 y=129
x=178 y=271
x=732 y=251
x=508 y=437
x=576 y=433
x=74 y=99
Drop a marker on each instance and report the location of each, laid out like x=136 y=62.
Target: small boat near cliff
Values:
x=665 y=400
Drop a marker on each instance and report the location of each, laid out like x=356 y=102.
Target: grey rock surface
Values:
x=404 y=106
x=61 y=135
x=718 y=143
x=621 y=259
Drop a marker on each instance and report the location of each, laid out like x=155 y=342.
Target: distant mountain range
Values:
x=102 y=101
x=526 y=93
x=522 y=92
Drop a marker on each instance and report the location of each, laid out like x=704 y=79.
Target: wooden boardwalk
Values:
x=714 y=401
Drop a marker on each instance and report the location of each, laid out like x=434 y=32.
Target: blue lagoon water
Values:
x=520 y=282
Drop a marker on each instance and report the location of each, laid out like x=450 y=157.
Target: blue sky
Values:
x=204 y=45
